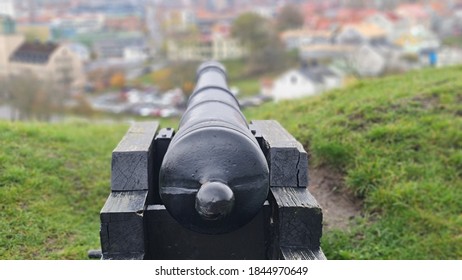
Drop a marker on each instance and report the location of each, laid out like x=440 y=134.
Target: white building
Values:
x=135 y=54
x=305 y=82
x=7 y=8
x=367 y=61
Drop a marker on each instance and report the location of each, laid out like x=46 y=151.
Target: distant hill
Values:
x=397 y=143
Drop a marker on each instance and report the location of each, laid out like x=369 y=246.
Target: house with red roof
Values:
x=390 y=22
x=415 y=13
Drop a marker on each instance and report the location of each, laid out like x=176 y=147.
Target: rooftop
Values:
x=306 y=33
x=34 y=52
x=367 y=29
x=316 y=73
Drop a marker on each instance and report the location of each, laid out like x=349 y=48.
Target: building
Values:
x=116 y=47
x=298 y=83
x=9 y=42
x=325 y=52
x=367 y=61
x=68 y=27
x=7 y=8
x=135 y=54
x=49 y=62
x=298 y=38
x=175 y=20
x=418 y=39
x=127 y=23
x=415 y=13
x=218 y=45
x=361 y=33
x=391 y=23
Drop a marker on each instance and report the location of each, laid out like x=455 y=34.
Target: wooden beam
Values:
x=298 y=218
x=122 y=229
x=132 y=159
x=287 y=159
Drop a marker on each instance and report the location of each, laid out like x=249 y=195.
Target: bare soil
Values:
x=339 y=206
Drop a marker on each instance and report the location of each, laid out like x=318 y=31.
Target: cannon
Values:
x=218 y=188
x=203 y=184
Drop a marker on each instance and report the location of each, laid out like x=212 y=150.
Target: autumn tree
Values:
x=184 y=75
x=179 y=74
x=289 y=17
x=117 y=80
x=162 y=78
x=102 y=78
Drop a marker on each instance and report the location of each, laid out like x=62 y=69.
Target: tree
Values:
x=251 y=30
x=162 y=79
x=266 y=52
x=21 y=94
x=179 y=74
x=184 y=75
x=117 y=80
x=33 y=98
x=289 y=17
x=101 y=78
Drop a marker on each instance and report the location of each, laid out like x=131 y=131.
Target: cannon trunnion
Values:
x=219 y=188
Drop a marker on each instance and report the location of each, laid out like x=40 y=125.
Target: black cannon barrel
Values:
x=214 y=176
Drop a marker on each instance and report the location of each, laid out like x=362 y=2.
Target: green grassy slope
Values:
x=398 y=142
x=54 y=180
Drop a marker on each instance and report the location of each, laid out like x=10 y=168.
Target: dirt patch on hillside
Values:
x=428 y=102
x=339 y=206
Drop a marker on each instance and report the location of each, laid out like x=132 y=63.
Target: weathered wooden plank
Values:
x=297 y=253
x=124 y=202
x=298 y=216
x=122 y=233
x=287 y=159
x=132 y=158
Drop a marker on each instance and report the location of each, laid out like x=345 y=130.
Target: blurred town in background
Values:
x=137 y=58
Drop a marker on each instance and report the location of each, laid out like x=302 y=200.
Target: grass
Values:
x=53 y=183
x=398 y=142
x=247 y=87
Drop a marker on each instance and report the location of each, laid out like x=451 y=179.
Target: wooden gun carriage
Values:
x=219 y=188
